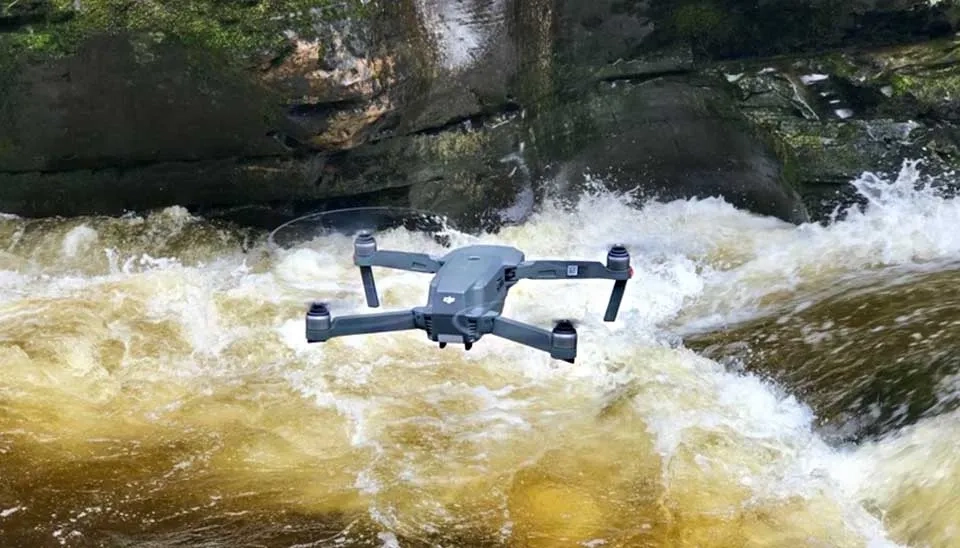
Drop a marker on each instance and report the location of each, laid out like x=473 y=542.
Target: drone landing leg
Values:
x=321 y=327
x=561 y=343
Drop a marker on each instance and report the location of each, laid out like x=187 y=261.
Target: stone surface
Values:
x=822 y=353
x=116 y=103
x=312 y=100
x=670 y=137
x=838 y=115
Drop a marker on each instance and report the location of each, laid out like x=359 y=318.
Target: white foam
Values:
x=79 y=240
x=906 y=223
x=808 y=79
x=696 y=262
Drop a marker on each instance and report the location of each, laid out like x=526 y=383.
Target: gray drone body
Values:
x=467 y=295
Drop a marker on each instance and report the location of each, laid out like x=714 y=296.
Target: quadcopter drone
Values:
x=467 y=295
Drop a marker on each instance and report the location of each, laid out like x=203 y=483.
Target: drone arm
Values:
x=567 y=270
x=400 y=260
x=321 y=327
x=617 y=268
x=366 y=256
x=560 y=343
x=521 y=333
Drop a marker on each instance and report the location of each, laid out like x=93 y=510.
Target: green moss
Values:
x=704 y=23
x=840 y=65
x=934 y=87
x=901 y=84
x=453 y=145
x=698 y=19
x=243 y=30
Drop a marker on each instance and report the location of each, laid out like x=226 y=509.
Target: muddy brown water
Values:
x=157 y=391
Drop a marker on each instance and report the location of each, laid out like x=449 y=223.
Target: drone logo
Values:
x=448 y=299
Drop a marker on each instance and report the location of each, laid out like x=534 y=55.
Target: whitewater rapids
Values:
x=157 y=390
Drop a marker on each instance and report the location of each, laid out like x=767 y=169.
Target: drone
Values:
x=467 y=295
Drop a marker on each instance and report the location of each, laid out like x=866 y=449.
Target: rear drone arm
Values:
x=321 y=327
x=568 y=270
x=561 y=343
x=366 y=255
x=617 y=268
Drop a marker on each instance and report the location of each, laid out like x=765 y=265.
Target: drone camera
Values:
x=365 y=246
x=318 y=323
x=563 y=341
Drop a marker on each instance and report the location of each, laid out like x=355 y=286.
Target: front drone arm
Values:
x=366 y=255
x=617 y=268
x=561 y=343
x=321 y=327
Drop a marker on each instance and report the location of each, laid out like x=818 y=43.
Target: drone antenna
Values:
x=365 y=246
x=618 y=260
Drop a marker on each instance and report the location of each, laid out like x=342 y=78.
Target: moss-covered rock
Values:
x=127 y=90
x=243 y=31
x=841 y=114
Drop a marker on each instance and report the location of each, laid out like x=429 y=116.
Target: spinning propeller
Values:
x=350 y=221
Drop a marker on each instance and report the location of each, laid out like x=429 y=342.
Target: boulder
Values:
x=865 y=367
x=108 y=107
x=670 y=137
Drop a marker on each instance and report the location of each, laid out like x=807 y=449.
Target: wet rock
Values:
x=868 y=360
x=733 y=29
x=286 y=88
x=119 y=190
x=109 y=92
x=841 y=114
x=470 y=172
x=121 y=102
x=671 y=137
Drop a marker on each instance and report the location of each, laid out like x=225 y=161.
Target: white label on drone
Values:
x=448 y=299
x=572 y=270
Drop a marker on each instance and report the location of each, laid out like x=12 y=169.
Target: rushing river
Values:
x=157 y=389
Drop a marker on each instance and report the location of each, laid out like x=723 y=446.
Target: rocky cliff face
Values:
x=463 y=107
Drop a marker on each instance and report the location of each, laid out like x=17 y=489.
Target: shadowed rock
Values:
x=869 y=360
x=104 y=104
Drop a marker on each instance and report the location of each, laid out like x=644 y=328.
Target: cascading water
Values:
x=157 y=389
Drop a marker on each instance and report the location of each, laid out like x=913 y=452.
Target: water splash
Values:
x=642 y=442
x=757 y=266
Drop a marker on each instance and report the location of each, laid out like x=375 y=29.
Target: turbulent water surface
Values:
x=157 y=389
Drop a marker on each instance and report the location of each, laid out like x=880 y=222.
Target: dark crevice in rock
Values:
x=471 y=121
x=14 y=23
x=325 y=109
x=641 y=77
x=121 y=166
x=282 y=55
x=289 y=142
